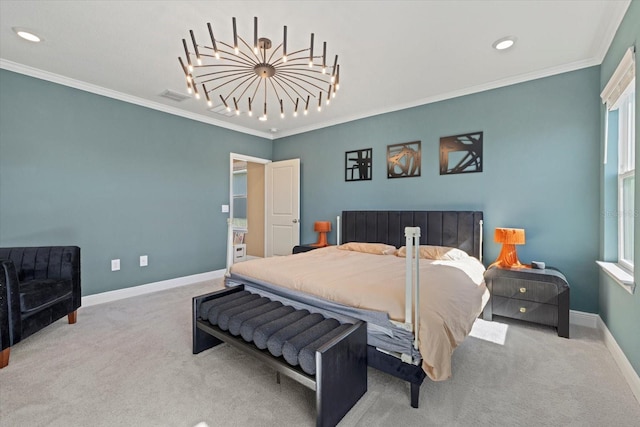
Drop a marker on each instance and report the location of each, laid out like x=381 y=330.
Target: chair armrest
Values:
x=48 y=262
x=10 y=316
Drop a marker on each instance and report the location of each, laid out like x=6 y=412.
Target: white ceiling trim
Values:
x=88 y=87
x=450 y=95
x=610 y=31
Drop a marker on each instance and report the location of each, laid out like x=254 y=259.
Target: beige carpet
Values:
x=129 y=363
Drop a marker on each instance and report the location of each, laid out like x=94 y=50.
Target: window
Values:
x=619 y=97
x=626 y=174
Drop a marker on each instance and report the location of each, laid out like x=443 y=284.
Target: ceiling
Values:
x=392 y=54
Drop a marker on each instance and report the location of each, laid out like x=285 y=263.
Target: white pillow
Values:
x=436 y=252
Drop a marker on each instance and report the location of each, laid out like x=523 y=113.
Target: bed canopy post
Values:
x=412 y=280
x=481 y=222
x=338 y=230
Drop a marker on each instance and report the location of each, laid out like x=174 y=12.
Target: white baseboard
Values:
x=621 y=360
x=118 y=294
x=581 y=318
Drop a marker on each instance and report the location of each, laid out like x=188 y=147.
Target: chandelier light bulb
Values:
x=250 y=113
x=263 y=118
x=284 y=58
x=295 y=114
x=199 y=61
x=217 y=55
x=324 y=70
x=197 y=95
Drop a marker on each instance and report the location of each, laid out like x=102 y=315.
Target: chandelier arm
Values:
x=250 y=50
x=227 y=82
x=290 y=82
x=273 y=53
x=230 y=73
x=246 y=59
x=290 y=57
x=232 y=58
x=286 y=91
x=296 y=75
x=300 y=66
x=274 y=89
x=237 y=86
x=241 y=52
x=248 y=86
x=256 y=90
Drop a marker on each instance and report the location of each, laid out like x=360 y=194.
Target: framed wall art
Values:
x=404 y=160
x=461 y=153
x=358 y=164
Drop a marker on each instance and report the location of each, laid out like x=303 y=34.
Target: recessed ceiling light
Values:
x=504 y=43
x=27 y=34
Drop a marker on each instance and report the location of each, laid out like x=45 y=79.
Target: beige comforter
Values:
x=452 y=293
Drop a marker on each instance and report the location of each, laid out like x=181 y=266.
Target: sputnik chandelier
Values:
x=258 y=78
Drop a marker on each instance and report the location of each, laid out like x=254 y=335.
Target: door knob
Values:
x=295 y=221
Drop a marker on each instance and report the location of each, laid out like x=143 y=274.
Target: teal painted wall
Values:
x=116 y=179
x=541 y=169
x=619 y=310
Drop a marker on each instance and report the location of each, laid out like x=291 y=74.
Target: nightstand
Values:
x=303 y=248
x=538 y=296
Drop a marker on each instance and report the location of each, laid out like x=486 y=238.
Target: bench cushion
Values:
x=284 y=331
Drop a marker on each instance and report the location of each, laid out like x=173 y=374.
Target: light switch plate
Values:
x=144 y=260
x=225 y=208
x=115 y=264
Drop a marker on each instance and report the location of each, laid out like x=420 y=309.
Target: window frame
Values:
x=625 y=105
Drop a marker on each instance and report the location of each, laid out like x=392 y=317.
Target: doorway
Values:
x=264 y=207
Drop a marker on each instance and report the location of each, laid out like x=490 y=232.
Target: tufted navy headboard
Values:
x=457 y=229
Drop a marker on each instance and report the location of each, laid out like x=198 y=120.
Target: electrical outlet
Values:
x=144 y=260
x=115 y=264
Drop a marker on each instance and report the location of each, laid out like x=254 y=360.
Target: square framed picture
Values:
x=461 y=153
x=404 y=160
x=358 y=165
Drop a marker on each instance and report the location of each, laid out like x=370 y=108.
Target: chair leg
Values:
x=72 y=317
x=4 y=357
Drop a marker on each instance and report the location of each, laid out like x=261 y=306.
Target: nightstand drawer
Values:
x=524 y=289
x=545 y=314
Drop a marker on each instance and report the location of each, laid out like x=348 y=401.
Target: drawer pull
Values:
x=523 y=290
x=523 y=310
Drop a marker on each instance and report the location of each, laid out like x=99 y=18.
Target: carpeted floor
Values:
x=129 y=363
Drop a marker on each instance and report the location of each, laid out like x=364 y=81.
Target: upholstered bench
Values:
x=321 y=353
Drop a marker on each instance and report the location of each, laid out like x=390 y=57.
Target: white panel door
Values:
x=283 y=206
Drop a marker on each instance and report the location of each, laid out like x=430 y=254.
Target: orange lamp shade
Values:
x=509 y=237
x=322 y=228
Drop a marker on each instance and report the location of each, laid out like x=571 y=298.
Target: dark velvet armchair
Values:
x=38 y=286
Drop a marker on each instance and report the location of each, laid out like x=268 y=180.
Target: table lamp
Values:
x=509 y=237
x=322 y=228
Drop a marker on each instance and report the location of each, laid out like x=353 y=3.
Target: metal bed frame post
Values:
x=412 y=281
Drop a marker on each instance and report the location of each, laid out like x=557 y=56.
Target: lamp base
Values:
x=508 y=258
x=322 y=240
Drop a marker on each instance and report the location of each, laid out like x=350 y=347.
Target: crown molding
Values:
x=56 y=78
x=99 y=90
x=617 y=15
x=547 y=72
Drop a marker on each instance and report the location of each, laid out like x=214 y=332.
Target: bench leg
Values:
x=72 y=317
x=341 y=375
x=4 y=357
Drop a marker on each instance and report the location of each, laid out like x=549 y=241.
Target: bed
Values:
x=403 y=341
